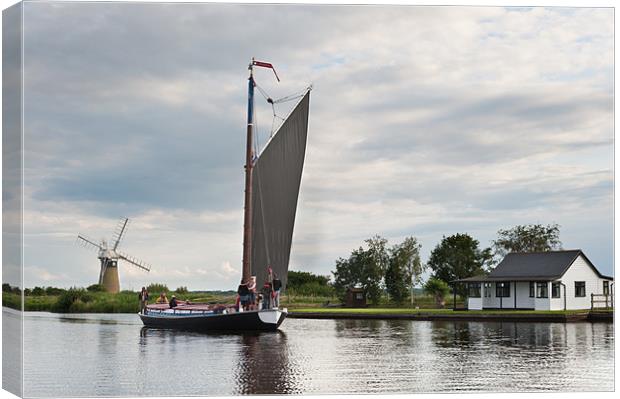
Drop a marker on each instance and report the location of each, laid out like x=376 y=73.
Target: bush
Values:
x=95 y=288
x=53 y=291
x=72 y=300
x=437 y=288
x=38 y=291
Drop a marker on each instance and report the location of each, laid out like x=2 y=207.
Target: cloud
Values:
x=424 y=121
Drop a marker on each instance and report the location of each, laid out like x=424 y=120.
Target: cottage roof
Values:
x=531 y=266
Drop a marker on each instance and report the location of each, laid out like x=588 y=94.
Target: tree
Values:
x=306 y=283
x=181 y=290
x=377 y=247
x=154 y=288
x=298 y=279
x=361 y=268
x=527 y=238
x=458 y=257
x=404 y=269
x=438 y=289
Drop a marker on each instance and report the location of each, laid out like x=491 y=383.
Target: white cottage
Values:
x=555 y=280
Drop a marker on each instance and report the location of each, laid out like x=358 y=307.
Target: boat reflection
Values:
x=264 y=366
x=259 y=361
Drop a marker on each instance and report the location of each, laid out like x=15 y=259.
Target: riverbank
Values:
x=83 y=301
x=562 y=316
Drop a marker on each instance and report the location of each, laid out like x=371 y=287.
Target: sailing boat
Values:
x=272 y=181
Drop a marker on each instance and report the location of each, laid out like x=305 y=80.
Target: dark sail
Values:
x=275 y=187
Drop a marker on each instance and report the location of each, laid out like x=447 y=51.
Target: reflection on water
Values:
x=113 y=355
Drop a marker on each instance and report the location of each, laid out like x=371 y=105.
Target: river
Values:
x=113 y=355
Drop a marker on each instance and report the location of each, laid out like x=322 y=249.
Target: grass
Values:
x=82 y=301
x=127 y=302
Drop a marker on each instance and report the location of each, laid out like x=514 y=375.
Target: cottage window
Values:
x=542 y=290
x=555 y=290
x=502 y=290
x=532 y=289
x=359 y=296
x=487 y=290
x=580 y=289
x=605 y=287
x=474 y=290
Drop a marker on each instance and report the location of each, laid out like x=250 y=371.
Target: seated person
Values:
x=173 y=302
x=162 y=298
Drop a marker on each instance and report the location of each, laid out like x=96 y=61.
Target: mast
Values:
x=249 y=155
x=249 y=165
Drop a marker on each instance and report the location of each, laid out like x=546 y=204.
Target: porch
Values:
x=483 y=292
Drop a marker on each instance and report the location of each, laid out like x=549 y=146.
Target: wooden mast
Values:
x=249 y=163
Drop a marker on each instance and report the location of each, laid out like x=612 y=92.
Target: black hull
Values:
x=265 y=320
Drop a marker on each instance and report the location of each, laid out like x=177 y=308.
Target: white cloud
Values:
x=423 y=121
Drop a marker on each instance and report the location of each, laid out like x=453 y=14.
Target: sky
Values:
x=424 y=121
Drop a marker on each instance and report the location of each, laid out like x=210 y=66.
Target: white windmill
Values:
x=109 y=257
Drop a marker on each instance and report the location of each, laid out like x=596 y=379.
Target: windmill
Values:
x=109 y=257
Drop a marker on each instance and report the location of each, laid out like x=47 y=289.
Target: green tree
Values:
x=404 y=269
x=181 y=290
x=457 y=257
x=38 y=291
x=377 y=247
x=360 y=269
x=296 y=280
x=306 y=283
x=438 y=289
x=527 y=238
x=157 y=288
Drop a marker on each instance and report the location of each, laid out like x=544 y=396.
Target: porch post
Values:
x=501 y=297
x=515 y=294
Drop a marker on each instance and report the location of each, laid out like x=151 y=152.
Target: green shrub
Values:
x=437 y=288
x=66 y=300
x=53 y=291
x=11 y=300
x=95 y=288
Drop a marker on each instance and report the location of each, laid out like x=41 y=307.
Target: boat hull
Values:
x=264 y=320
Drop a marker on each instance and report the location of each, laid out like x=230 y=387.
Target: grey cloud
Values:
x=134 y=109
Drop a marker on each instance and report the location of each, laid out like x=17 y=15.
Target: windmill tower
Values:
x=109 y=257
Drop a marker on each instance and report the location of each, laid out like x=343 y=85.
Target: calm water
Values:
x=113 y=355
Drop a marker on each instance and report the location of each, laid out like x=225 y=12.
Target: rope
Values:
x=269 y=100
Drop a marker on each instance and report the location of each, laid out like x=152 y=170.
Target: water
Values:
x=113 y=355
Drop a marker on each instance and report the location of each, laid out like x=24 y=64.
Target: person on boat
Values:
x=162 y=298
x=173 y=302
x=253 y=296
x=277 y=286
x=144 y=299
x=244 y=296
x=266 y=291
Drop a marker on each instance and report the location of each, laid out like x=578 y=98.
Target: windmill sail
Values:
x=275 y=185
